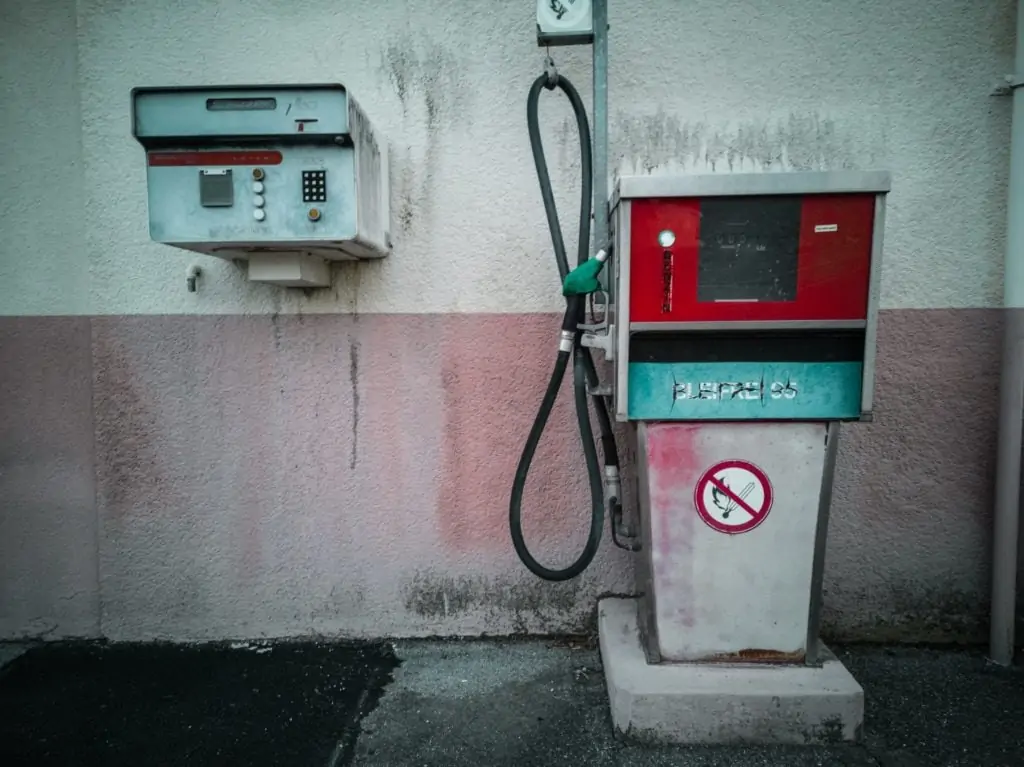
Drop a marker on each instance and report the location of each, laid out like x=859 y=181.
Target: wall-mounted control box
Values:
x=286 y=177
x=747 y=296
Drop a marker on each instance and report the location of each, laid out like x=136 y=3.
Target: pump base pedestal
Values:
x=714 y=703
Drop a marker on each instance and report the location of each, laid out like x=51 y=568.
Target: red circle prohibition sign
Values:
x=733 y=497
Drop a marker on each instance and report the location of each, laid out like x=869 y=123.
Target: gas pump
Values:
x=740 y=315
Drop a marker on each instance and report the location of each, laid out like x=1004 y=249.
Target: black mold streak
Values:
x=906 y=613
x=353 y=372
x=274 y=321
x=406 y=204
x=434 y=73
x=437 y=596
x=800 y=142
x=433 y=109
x=397 y=58
x=425 y=75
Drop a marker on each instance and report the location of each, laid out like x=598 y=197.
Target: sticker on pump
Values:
x=733 y=497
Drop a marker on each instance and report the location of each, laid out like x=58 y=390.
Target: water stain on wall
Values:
x=643 y=143
x=436 y=595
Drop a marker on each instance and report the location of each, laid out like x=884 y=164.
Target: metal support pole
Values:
x=828 y=480
x=600 y=50
x=1006 y=525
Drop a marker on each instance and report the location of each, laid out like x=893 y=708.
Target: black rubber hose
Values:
x=584 y=371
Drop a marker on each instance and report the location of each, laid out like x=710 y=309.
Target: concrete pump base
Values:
x=721 y=703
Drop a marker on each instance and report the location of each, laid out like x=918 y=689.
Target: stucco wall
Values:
x=903 y=86
x=44 y=262
x=270 y=462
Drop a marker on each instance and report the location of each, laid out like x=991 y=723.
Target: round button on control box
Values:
x=314 y=214
x=259 y=214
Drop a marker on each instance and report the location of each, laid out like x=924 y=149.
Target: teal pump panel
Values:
x=286 y=177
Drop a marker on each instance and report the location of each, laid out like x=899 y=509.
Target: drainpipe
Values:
x=1011 y=403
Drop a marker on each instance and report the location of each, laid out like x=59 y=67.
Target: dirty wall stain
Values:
x=422 y=71
x=436 y=595
x=430 y=82
x=643 y=143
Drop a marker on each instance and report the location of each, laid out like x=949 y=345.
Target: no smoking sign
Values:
x=733 y=497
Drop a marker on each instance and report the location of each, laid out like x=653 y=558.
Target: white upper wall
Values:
x=707 y=85
x=44 y=262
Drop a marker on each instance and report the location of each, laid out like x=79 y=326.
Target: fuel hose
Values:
x=570 y=345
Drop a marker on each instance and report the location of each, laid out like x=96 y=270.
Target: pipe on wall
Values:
x=600 y=72
x=1006 y=526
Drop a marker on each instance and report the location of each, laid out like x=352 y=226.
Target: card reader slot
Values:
x=215 y=142
x=846 y=345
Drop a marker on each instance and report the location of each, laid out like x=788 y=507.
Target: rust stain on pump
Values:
x=755 y=655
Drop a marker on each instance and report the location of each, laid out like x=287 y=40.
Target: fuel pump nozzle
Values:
x=582 y=281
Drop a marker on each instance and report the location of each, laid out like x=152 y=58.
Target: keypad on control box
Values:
x=314 y=186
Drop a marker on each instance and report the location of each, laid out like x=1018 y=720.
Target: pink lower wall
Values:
x=48 y=523
x=239 y=476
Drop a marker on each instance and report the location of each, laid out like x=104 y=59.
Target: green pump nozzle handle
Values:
x=582 y=280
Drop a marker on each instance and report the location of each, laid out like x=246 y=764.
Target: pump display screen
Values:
x=748 y=249
x=732 y=258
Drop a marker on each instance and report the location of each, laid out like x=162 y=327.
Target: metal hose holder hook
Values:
x=551 y=71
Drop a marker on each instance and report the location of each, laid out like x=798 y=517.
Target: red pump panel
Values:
x=751 y=258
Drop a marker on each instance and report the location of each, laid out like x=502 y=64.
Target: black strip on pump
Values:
x=748 y=346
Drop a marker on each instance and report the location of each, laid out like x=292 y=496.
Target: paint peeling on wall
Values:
x=663 y=141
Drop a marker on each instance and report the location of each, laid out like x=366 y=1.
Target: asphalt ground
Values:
x=448 y=703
